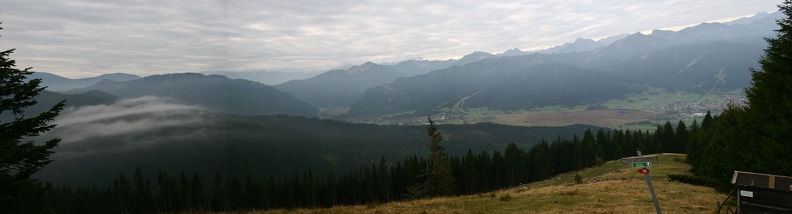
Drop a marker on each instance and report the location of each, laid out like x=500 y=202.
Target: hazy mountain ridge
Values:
x=415 y=67
x=510 y=86
x=581 y=45
x=343 y=87
x=699 y=68
x=266 y=77
x=340 y=88
x=46 y=99
x=438 y=87
x=58 y=83
x=751 y=19
x=552 y=84
x=215 y=92
x=752 y=33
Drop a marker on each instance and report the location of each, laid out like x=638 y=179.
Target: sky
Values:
x=83 y=38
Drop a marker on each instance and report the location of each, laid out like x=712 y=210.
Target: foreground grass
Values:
x=609 y=188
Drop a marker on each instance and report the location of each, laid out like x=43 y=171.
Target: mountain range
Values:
x=342 y=88
x=706 y=58
x=266 y=77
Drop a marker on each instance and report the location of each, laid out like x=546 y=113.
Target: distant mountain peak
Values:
x=608 y=40
x=579 y=45
x=751 y=19
x=361 y=68
x=119 y=76
x=514 y=52
x=474 y=57
x=663 y=33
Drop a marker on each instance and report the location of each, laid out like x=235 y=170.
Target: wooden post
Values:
x=738 y=199
x=651 y=189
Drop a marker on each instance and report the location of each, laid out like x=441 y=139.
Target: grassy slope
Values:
x=610 y=188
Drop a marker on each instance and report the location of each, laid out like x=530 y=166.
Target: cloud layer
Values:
x=128 y=124
x=87 y=38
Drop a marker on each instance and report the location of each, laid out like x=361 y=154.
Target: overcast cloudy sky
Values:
x=78 y=38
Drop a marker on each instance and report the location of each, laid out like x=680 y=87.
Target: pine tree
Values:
x=185 y=193
x=589 y=150
x=693 y=149
x=729 y=148
x=770 y=98
x=220 y=200
x=681 y=135
x=439 y=177
x=513 y=159
x=21 y=158
x=123 y=193
x=141 y=194
x=603 y=146
x=384 y=180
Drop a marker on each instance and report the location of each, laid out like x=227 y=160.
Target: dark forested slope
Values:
x=182 y=139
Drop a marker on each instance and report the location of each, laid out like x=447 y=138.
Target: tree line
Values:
x=753 y=136
x=385 y=181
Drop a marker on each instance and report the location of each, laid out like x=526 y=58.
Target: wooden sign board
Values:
x=763 y=193
x=641 y=164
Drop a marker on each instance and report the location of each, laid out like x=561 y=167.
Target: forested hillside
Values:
x=381 y=181
x=172 y=138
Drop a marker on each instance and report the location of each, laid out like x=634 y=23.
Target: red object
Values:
x=643 y=171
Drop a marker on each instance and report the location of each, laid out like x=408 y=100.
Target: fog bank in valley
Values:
x=115 y=138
